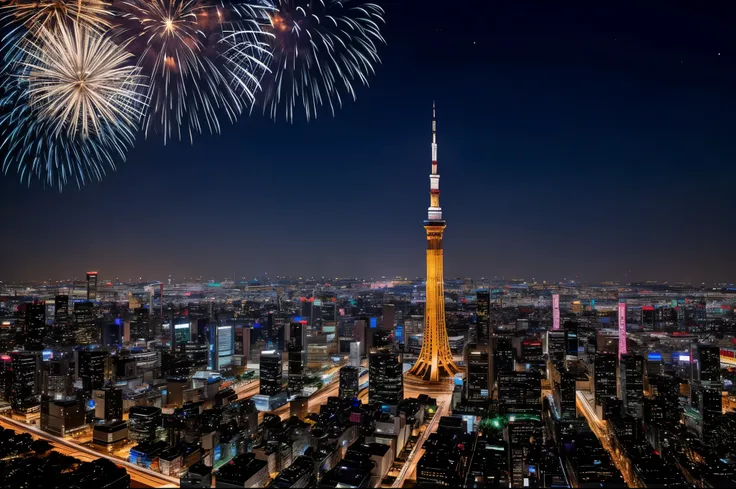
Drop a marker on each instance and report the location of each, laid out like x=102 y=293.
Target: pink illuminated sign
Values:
x=621 y=329
x=555 y=311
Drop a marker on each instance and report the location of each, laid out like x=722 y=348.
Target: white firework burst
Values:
x=84 y=82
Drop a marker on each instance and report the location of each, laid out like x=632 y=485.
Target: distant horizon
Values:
x=204 y=281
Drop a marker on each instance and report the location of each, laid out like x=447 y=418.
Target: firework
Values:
x=202 y=60
x=83 y=82
x=320 y=49
x=35 y=149
x=23 y=19
x=71 y=108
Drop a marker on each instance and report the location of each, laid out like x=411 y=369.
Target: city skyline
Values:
x=560 y=160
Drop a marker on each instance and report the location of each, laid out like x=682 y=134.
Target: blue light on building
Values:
x=374 y=323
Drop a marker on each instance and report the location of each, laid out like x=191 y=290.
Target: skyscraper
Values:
x=478 y=377
x=296 y=356
x=482 y=316
x=631 y=380
x=35 y=330
x=621 y=328
x=349 y=382
x=709 y=363
x=91 y=286
x=555 y=311
x=385 y=382
x=604 y=377
x=435 y=357
x=271 y=373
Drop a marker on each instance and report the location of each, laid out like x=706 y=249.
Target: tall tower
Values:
x=435 y=359
x=621 y=328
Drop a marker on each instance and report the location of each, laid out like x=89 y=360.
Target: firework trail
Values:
x=320 y=49
x=202 y=60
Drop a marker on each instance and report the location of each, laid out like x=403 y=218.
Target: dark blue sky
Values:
x=574 y=141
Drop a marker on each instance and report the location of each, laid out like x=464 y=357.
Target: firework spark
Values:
x=320 y=48
x=35 y=149
x=83 y=82
x=23 y=19
x=202 y=60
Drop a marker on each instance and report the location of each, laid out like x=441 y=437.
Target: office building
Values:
x=631 y=384
x=564 y=394
x=355 y=354
x=91 y=368
x=86 y=331
x=349 y=382
x=297 y=356
x=710 y=406
x=385 y=379
x=35 y=325
x=140 y=327
x=604 y=377
x=108 y=404
x=61 y=311
x=25 y=389
x=62 y=417
x=143 y=422
x=520 y=392
x=197 y=476
x=109 y=433
x=92 y=286
x=271 y=373
x=58 y=377
x=482 y=316
x=504 y=358
x=525 y=442
x=556 y=344
x=478 y=372
x=709 y=364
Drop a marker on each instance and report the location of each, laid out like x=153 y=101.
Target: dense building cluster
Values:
x=293 y=383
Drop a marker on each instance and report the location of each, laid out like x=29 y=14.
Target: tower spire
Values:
x=434 y=213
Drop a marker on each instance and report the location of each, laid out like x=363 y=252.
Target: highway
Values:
x=410 y=467
x=139 y=477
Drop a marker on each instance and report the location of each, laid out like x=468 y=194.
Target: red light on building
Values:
x=647 y=308
x=303 y=321
x=303 y=299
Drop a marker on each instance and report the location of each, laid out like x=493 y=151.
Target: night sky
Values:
x=575 y=141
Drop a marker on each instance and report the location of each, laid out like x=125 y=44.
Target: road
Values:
x=410 y=467
x=599 y=428
x=139 y=477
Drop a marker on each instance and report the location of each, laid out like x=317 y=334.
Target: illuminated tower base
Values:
x=435 y=358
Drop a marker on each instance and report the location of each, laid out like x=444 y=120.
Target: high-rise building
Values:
x=86 y=331
x=710 y=406
x=143 y=420
x=571 y=338
x=520 y=392
x=478 y=374
x=482 y=316
x=631 y=383
x=435 y=357
x=504 y=357
x=556 y=344
x=709 y=363
x=555 y=312
x=92 y=286
x=91 y=367
x=140 y=326
x=604 y=377
x=108 y=404
x=355 y=354
x=525 y=441
x=297 y=356
x=58 y=377
x=35 y=324
x=388 y=318
x=26 y=376
x=621 y=328
x=385 y=379
x=271 y=373
x=61 y=310
x=564 y=394
x=349 y=382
